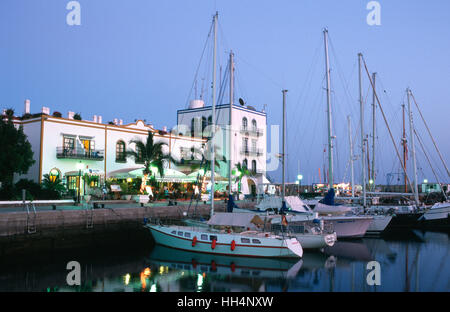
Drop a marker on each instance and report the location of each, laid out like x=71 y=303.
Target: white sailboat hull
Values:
x=271 y=246
x=379 y=224
x=437 y=212
x=314 y=241
x=349 y=227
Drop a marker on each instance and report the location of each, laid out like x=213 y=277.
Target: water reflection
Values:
x=417 y=261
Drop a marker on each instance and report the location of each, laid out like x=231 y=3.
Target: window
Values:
x=186 y=234
x=88 y=145
x=254 y=166
x=180 y=233
x=120 y=151
x=254 y=125
x=69 y=144
x=192 y=127
x=173 y=232
x=245 y=163
x=245 y=240
x=203 y=124
x=245 y=145
x=210 y=120
x=213 y=237
x=244 y=123
x=204 y=237
x=72 y=182
x=140 y=155
x=256 y=241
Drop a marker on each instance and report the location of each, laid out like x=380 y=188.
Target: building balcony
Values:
x=79 y=153
x=251 y=152
x=252 y=131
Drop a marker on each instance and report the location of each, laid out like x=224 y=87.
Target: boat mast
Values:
x=413 y=148
x=351 y=154
x=330 y=138
x=374 y=107
x=283 y=190
x=230 y=120
x=213 y=117
x=404 y=142
x=363 y=141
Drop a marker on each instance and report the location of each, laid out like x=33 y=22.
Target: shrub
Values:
x=57 y=114
x=77 y=116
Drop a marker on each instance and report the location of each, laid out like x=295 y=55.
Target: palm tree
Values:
x=242 y=172
x=150 y=154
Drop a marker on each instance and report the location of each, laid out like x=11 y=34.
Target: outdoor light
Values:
x=296 y=182
x=370 y=181
x=129 y=180
x=300 y=177
x=79 y=166
x=425 y=181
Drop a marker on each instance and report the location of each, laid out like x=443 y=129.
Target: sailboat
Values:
x=232 y=241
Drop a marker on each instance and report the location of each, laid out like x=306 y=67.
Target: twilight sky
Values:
x=137 y=59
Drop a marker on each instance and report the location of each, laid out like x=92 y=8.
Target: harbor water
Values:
x=412 y=261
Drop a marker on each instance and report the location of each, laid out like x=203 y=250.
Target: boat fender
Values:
x=213 y=245
x=233 y=245
x=233 y=267
x=194 y=241
x=213 y=266
x=194 y=263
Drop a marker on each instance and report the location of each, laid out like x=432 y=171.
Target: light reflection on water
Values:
x=418 y=262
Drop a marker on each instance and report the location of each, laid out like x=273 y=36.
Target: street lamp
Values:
x=299 y=180
x=79 y=167
x=425 y=181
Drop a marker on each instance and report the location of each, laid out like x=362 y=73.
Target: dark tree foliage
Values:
x=16 y=155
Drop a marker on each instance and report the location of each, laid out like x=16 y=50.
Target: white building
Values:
x=248 y=134
x=61 y=144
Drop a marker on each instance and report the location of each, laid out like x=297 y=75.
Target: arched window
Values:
x=254 y=125
x=210 y=120
x=140 y=156
x=203 y=125
x=245 y=163
x=254 y=166
x=244 y=123
x=120 y=151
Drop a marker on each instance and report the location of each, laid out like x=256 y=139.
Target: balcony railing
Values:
x=251 y=152
x=252 y=131
x=79 y=153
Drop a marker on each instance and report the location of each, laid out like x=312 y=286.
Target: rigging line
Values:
x=297 y=130
x=429 y=158
x=340 y=71
x=385 y=120
x=199 y=63
x=304 y=96
x=429 y=132
x=261 y=72
x=312 y=66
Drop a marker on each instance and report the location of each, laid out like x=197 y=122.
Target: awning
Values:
x=239 y=219
x=170 y=175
